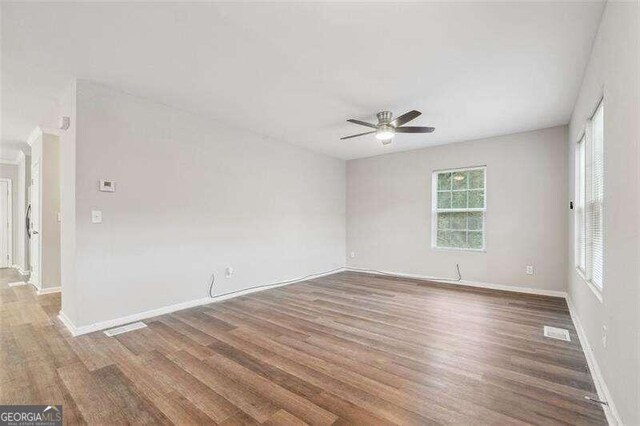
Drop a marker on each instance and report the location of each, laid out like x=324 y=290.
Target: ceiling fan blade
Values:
x=359 y=134
x=405 y=118
x=362 y=123
x=411 y=129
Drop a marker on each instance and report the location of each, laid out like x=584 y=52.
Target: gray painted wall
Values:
x=192 y=197
x=45 y=151
x=10 y=171
x=613 y=72
x=389 y=210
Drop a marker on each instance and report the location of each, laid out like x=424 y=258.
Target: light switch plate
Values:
x=96 y=216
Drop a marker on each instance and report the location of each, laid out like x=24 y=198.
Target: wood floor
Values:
x=345 y=349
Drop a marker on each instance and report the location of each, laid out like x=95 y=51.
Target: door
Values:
x=5 y=223
x=34 y=242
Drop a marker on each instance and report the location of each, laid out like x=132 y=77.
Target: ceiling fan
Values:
x=386 y=128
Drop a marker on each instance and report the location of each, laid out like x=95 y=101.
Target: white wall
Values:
x=70 y=300
x=192 y=196
x=10 y=171
x=613 y=72
x=45 y=153
x=21 y=256
x=389 y=210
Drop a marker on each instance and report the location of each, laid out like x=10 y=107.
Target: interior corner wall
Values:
x=70 y=294
x=192 y=197
x=389 y=211
x=613 y=72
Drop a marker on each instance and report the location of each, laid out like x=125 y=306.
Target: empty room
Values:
x=320 y=213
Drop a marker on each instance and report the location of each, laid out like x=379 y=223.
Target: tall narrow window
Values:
x=589 y=219
x=580 y=218
x=458 y=209
x=596 y=199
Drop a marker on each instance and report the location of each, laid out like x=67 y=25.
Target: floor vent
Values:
x=557 y=333
x=17 y=283
x=125 y=328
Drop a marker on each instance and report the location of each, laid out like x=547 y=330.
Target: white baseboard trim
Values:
x=42 y=291
x=67 y=323
x=102 y=325
x=20 y=270
x=33 y=284
x=511 y=288
x=601 y=386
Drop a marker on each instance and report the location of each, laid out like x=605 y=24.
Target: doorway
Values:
x=6 y=225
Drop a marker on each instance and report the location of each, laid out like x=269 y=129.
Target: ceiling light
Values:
x=458 y=177
x=385 y=132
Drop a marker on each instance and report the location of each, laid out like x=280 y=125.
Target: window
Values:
x=595 y=203
x=589 y=219
x=458 y=209
x=581 y=221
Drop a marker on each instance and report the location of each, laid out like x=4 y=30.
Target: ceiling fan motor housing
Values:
x=384 y=117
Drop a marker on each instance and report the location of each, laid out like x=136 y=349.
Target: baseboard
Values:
x=502 y=287
x=102 y=325
x=601 y=386
x=20 y=270
x=67 y=323
x=42 y=291
x=33 y=284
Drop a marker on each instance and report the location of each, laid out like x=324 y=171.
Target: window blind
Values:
x=580 y=222
x=596 y=199
x=589 y=219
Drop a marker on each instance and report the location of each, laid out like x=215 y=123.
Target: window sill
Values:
x=597 y=292
x=459 y=249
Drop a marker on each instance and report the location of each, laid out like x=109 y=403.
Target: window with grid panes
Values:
x=459 y=208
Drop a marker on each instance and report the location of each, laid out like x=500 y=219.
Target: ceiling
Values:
x=296 y=72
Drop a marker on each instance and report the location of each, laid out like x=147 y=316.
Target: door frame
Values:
x=36 y=278
x=10 y=218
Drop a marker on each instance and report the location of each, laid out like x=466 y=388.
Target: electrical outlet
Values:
x=529 y=269
x=352 y=254
x=228 y=272
x=96 y=216
x=604 y=336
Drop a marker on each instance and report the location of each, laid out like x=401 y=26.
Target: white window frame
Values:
x=587 y=139
x=580 y=234
x=435 y=210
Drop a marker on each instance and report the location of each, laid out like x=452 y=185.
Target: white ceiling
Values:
x=296 y=72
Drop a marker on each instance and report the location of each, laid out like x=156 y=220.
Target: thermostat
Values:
x=107 y=186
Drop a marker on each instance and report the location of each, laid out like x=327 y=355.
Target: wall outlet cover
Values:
x=529 y=269
x=96 y=216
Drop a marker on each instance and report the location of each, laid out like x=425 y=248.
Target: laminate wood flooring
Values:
x=348 y=348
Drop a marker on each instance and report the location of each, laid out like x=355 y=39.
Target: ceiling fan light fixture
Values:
x=387 y=128
x=385 y=132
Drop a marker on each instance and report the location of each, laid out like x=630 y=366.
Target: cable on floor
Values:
x=389 y=274
x=213 y=279
x=316 y=275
